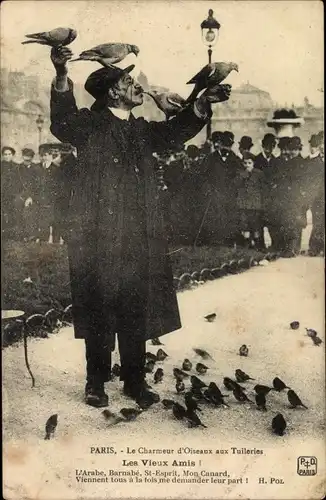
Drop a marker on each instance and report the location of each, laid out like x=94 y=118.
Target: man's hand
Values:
x=218 y=93
x=59 y=58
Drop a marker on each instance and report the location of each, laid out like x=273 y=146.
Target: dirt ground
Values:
x=254 y=308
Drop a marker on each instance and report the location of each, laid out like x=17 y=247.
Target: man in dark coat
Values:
x=266 y=158
x=315 y=192
x=245 y=145
x=121 y=278
x=8 y=192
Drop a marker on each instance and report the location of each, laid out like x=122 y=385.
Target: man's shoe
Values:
x=137 y=391
x=95 y=396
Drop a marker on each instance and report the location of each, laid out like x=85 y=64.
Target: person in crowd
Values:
x=8 y=192
x=266 y=158
x=48 y=170
x=27 y=200
x=216 y=140
x=121 y=279
x=245 y=145
x=249 y=201
x=316 y=195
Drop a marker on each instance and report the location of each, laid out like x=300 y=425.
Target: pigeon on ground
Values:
x=295 y=325
x=242 y=376
x=230 y=384
x=179 y=411
x=216 y=398
x=158 y=375
x=279 y=385
x=202 y=353
x=317 y=340
x=179 y=386
x=54 y=38
x=201 y=368
x=187 y=365
x=111 y=417
x=196 y=382
x=168 y=102
x=116 y=369
x=261 y=401
x=168 y=403
x=52 y=318
x=161 y=355
x=294 y=400
x=149 y=366
x=179 y=374
x=196 y=393
x=241 y=396
x=147 y=399
x=279 y=424
x=156 y=341
x=150 y=357
x=243 y=351
x=212 y=387
x=263 y=389
x=130 y=413
x=191 y=403
x=210 y=76
x=108 y=54
x=311 y=333
x=50 y=426
x=194 y=420
x=210 y=317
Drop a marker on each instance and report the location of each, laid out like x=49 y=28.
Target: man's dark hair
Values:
x=8 y=148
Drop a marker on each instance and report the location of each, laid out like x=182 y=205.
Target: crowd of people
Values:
x=253 y=191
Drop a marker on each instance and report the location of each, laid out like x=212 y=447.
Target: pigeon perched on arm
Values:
x=108 y=54
x=168 y=102
x=54 y=38
x=209 y=76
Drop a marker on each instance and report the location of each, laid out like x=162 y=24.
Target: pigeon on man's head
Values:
x=294 y=400
x=168 y=102
x=54 y=38
x=209 y=76
x=50 y=426
x=108 y=54
x=279 y=424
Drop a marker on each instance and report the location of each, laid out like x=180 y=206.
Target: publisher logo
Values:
x=307 y=466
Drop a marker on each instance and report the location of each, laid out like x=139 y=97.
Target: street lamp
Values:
x=209 y=32
x=39 y=123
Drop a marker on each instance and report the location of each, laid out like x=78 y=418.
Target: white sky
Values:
x=277 y=44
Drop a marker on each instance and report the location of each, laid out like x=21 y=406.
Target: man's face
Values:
x=55 y=152
x=285 y=154
x=129 y=92
x=243 y=150
x=314 y=149
x=46 y=157
x=268 y=149
x=27 y=160
x=248 y=164
x=7 y=155
x=294 y=153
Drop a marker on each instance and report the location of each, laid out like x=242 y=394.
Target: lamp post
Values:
x=39 y=123
x=209 y=32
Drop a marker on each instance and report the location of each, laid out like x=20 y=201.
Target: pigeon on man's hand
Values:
x=218 y=93
x=168 y=102
x=54 y=38
x=209 y=76
x=108 y=54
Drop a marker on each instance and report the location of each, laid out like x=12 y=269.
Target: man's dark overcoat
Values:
x=119 y=267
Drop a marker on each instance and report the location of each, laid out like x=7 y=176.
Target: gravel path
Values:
x=255 y=308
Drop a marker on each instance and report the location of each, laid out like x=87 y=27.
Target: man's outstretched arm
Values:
x=67 y=123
